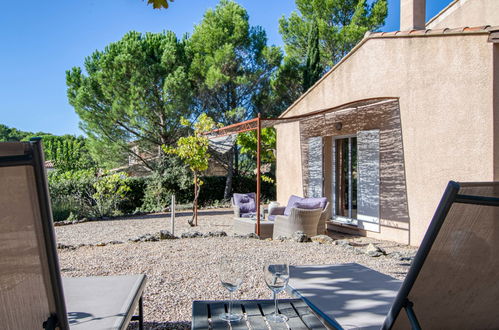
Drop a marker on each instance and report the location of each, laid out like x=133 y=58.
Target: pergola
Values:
x=258 y=123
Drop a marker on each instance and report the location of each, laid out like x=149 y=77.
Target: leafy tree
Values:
x=193 y=150
x=231 y=66
x=13 y=134
x=109 y=191
x=313 y=69
x=248 y=143
x=341 y=25
x=67 y=152
x=132 y=96
x=316 y=38
x=158 y=4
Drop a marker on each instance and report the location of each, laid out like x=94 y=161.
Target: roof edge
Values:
x=396 y=34
x=442 y=12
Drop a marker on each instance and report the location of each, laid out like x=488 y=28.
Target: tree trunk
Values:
x=194 y=220
x=230 y=174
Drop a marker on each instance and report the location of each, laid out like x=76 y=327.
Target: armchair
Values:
x=298 y=220
x=286 y=210
x=244 y=205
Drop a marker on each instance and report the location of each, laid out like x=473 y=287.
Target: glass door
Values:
x=345 y=188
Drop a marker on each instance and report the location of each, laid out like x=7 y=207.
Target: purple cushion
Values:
x=246 y=202
x=271 y=217
x=321 y=200
x=308 y=205
x=291 y=202
x=293 y=199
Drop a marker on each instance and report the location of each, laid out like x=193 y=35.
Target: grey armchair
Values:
x=298 y=220
x=244 y=205
x=325 y=211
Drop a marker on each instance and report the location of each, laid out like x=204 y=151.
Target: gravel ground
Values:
x=182 y=270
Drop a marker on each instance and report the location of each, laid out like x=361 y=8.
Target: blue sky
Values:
x=43 y=39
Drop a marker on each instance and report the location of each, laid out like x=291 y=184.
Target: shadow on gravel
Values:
x=161 y=325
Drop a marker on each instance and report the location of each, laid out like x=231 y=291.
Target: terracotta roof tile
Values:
x=430 y=32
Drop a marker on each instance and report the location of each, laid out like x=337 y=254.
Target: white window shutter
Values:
x=315 y=175
x=368 y=180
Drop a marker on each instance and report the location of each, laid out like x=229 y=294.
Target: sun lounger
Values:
x=451 y=284
x=32 y=293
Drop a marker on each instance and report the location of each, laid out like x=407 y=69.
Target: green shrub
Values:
x=71 y=193
x=110 y=189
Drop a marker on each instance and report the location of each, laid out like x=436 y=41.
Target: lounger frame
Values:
x=450 y=196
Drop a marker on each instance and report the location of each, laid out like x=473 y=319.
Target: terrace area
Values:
x=186 y=269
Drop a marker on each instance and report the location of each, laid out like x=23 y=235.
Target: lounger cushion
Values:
x=106 y=302
x=349 y=295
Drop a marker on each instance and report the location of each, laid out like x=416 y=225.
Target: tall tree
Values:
x=67 y=152
x=132 y=96
x=313 y=69
x=13 y=134
x=341 y=25
x=231 y=66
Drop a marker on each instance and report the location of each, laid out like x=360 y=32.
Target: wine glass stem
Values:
x=230 y=303
x=275 y=303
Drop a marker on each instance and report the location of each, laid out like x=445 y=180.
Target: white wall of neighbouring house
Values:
x=445 y=85
x=462 y=13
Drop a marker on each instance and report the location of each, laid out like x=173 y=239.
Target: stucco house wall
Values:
x=460 y=13
x=445 y=85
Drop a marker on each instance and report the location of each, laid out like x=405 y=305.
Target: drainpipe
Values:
x=412 y=15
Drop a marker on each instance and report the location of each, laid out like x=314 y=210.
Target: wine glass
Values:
x=276 y=274
x=231 y=276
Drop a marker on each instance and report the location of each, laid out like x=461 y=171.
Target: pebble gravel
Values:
x=182 y=270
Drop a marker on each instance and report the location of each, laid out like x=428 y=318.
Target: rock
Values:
x=100 y=244
x=374 y=251
x=115 y=242
x=251 y=235
x=165 y=234
x=342 y=242
x=281 y=238
x=300 y=237
x=64 y=246
x=191 y=234
x=215 y=234
x=149 y=238
x=402 y=257
x=145 y=238
x=322 y=239
x=268 y=239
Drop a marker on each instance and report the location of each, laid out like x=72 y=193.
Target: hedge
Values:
x=72 y=197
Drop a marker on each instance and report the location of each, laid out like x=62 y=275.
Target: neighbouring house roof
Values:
x=492 y=31
x=49 y=164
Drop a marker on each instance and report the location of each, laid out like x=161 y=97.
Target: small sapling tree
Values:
x=193 y=150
